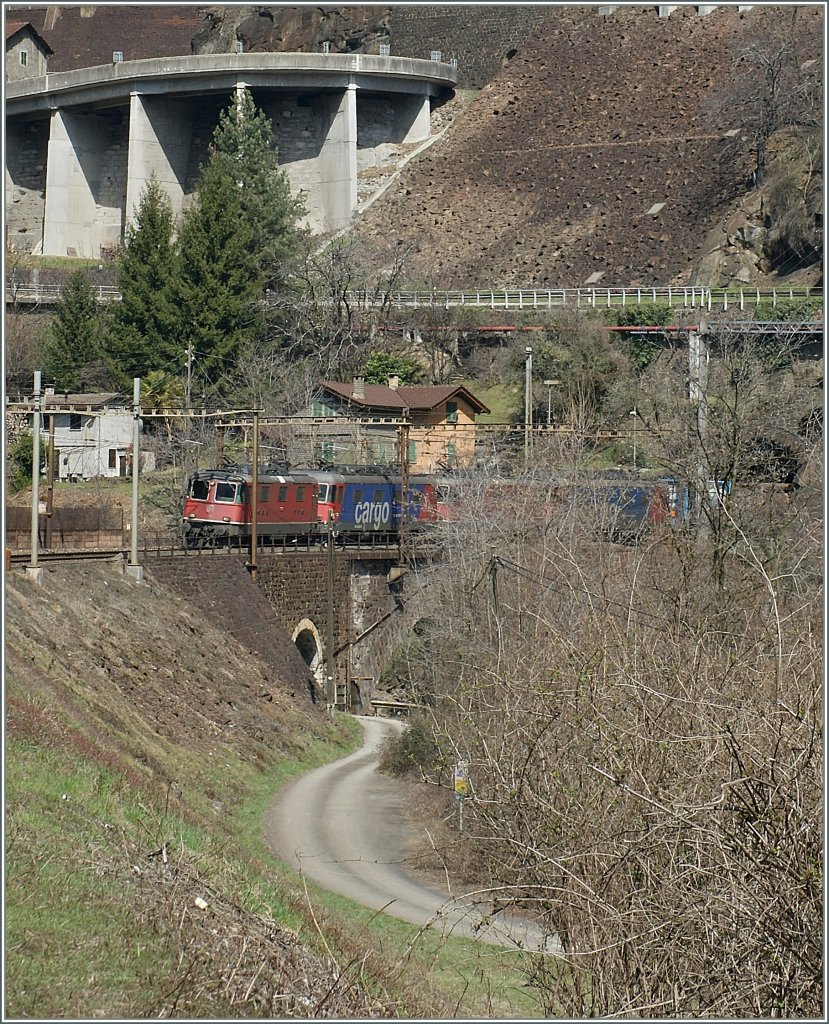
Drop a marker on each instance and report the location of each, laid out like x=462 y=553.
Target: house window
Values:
x=451 y=412
x=74 y=421
x=325 y=451
x=24 y=58
x=113 y=458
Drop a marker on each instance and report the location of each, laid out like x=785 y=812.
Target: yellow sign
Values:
x=461 y=781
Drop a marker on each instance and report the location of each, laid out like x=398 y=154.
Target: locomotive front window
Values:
x=323 y=492
x=199 y=489
x=226 y=492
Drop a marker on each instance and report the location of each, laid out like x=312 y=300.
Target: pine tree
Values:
x=144 y=322
x=219 y=282
x=243 y=144
x=74 y=349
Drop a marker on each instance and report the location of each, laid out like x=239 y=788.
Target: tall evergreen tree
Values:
x=219 y=281
x=74 y=349
x=144 y=322
x=243 y=144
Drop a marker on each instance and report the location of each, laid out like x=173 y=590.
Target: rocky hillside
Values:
x=605 y=152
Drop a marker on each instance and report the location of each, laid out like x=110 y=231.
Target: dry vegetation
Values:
x=644 y=722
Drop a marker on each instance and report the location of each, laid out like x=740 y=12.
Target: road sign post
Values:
x=461 y=789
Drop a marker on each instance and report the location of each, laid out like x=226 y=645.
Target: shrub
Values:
x=19 y=465
x=413 y=751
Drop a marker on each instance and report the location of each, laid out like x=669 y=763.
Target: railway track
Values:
x=364 y=551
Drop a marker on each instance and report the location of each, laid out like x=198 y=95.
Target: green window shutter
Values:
x=451 y=454
x=412 y=451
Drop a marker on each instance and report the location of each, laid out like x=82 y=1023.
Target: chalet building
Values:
x=441 y=421
x=27 y=52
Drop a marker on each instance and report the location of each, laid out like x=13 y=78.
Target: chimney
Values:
x=394 y=382
x=49 y=390
x=358 y=389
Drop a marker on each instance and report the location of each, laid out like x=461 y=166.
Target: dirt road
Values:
x=343 y=826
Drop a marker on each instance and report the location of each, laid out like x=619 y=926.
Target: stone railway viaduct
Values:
x=282 y=615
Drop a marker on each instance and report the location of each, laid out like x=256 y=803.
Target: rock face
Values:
x=281 y=29
x=602 y=154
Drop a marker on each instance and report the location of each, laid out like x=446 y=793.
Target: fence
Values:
x=518 y=299
x=75 y=528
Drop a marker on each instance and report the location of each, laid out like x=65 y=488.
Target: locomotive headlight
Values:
x=225 y=519
x=192 y=515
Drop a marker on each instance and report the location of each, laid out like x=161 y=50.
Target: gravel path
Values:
x=343 y=825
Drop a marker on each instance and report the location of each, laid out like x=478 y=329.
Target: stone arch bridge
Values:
x=282 y=614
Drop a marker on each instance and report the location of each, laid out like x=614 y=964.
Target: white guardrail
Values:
x=513 y=299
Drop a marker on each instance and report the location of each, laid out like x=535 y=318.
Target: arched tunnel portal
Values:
x=308 y=642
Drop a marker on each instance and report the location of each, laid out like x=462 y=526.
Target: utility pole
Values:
x=330 y=687
x=220 y=445
x=188 y=384
x=697 y=390
x=528 y=384
x=402 y=535
x=254 y=498
x=33 y=570
x=50 y=481
x=634 y=414
x=133 y=568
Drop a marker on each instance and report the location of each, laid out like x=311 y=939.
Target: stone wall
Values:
x=26 y=149
x=221 y=587
x=482 y=39
x=289 y=590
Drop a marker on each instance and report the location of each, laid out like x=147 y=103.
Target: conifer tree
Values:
x=74 y=350
x=243 y=145
x=219 y=281
x=144 y=322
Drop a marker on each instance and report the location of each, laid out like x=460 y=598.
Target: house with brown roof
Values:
x=440 y=420
x=27 y=52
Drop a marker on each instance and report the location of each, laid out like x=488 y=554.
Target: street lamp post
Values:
x=528 y=383
x=634 y=414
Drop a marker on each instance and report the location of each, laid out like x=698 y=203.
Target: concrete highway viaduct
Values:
x=282 y=614
x=81 y=145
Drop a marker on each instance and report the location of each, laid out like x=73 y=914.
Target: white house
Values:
x=93 y=435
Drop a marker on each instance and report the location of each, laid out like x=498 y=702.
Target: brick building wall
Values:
x=481 y=38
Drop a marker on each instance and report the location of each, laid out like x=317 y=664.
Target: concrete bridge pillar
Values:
x=159 y=144
x=338 y=158
x=416 y=110
x=81 y=211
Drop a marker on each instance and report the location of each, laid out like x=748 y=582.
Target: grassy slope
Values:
x=142 y=748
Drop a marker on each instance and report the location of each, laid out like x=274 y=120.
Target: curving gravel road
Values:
x=343 y=826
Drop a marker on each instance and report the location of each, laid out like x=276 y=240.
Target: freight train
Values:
x=368 y=501
x=356 y=501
